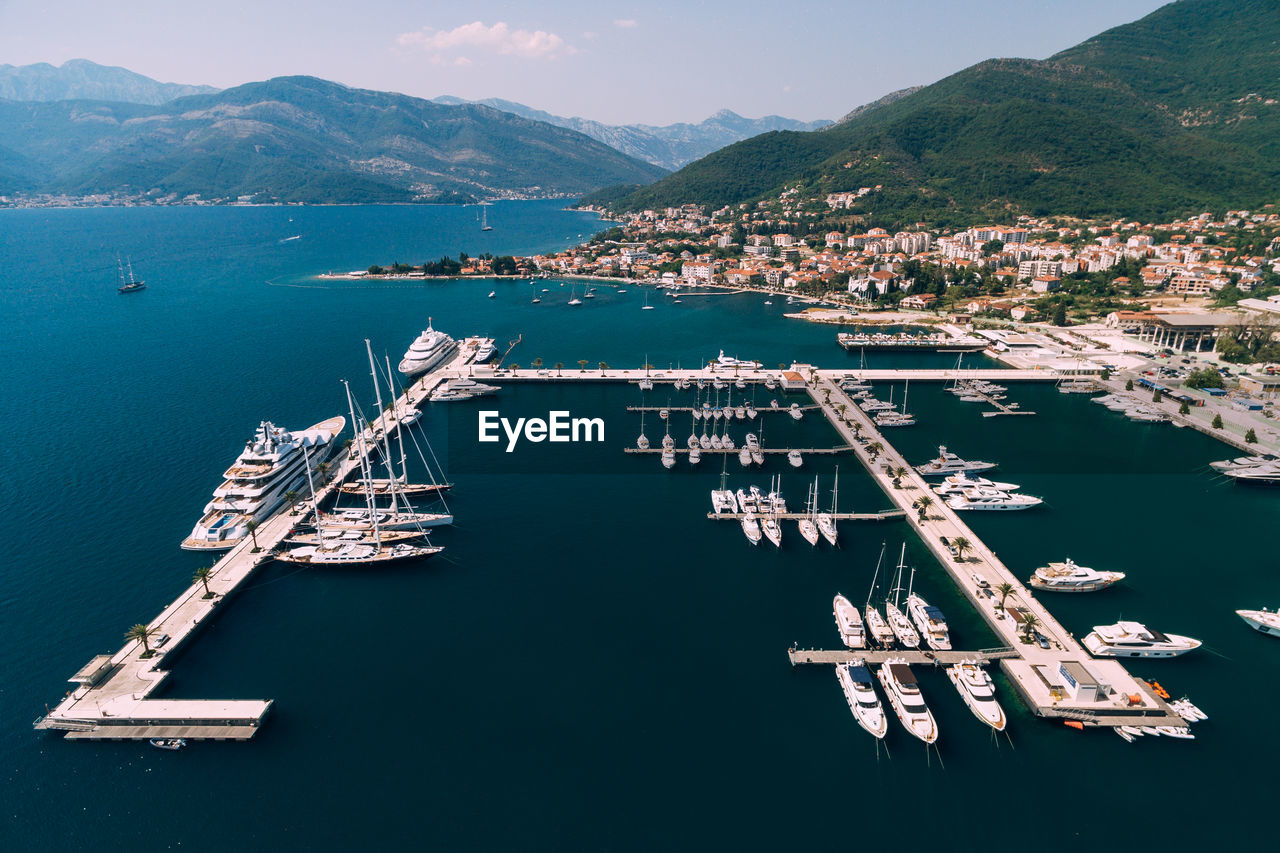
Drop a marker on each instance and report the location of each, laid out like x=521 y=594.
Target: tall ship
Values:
x=1135 y=640
x=272 y=464
x=427 y=352
x=132 y=285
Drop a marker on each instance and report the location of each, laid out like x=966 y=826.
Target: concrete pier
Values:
x=1062 y=681
x=110 y=700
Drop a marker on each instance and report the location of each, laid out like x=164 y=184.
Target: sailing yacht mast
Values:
x=364 y=466
x=872 y=590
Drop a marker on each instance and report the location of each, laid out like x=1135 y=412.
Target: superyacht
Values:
x=1070 y=577
x=978 y=692
x=1135 y=640
x=949 y=463
x=429 y=350
x=271 y=465
x=904 y=695
x=849 y=623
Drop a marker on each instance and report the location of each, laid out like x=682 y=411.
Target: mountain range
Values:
x=81 y=79
x=1176 y=112
x=669 y=146
x=299 y=139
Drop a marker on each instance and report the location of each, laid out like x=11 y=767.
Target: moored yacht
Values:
x=860 y=693
x=772 y=530
x=904 y=696
x=978 y=692
x=878 y=628
x=949 y=463
x=1070 y=577
x=272 y=464
x=428 y=351
x=901 y=626
x=956 y=483
x=1263 y=621
x=930 y=621
x=849 y=623
x=1135 y=640
x=751 y=528
x=990 y=499
x=726 y=362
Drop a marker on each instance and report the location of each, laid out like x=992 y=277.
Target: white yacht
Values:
x=849 y=623
x=860 y=693
x=1243 y=462
x=1263 y=621
x=978 y=692
x=949 y=463
x=1135 y=640
x=930 y=621
x=271 y=464
x=794 y=457
x=795 y=412
x=990 y=499
x=901 y=626
x=485 y=351
x=1257 y=475
x=695 y=455
x=723 y=361
x=357 y=553
x=957 y=483
x=893 y=419
x=428 y=351
x=1070 y=577
x=744 y=456
x=386 y=519
x=751 y=527
x=827 y=527
x=668 y=458
x=904 y=695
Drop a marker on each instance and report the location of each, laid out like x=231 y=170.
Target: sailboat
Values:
x=808 y=529
x=643 y=441
x=574 y=300
x=826 y=520
x=484 y=217
x=647 y=306
x=898 y=620
x=723 y=499
x=770 y=524
x=536 y=298
x=132 y=285
x=879 y=629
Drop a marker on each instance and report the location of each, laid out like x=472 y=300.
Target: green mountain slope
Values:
x=300 y=139
x=1171 y=113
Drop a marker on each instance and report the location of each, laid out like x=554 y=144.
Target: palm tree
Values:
x=604 y=365
x=537 y=364
x=559 y=367
x=323 y=468
x=292 y=497
x=252 y=527
x=202 y=577
x=961 y=544
x=582 y=365
x=1005 y=590
x=1029 y=621
x=897 y=474
x=826 y=395
x=141 y=633
x=874 y=448
x=923 y=504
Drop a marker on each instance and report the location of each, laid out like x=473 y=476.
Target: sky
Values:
x=618 y=62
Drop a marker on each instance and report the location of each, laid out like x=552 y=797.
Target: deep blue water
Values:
x=591 y=663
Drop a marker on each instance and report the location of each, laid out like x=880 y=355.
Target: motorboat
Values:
x=873 y=404
x=272 y=464
x=668 y=458
x=1070 y=577
x=795 y=412
x=1263 y=621
x=794 y=457
x=1257 y=475
x=930 y=621
x=429 y=350
x=849 y=623
x=1135 y=640
x=744 y=456
x=751 y=527
x=893 y=419
x=948 y=463
x=901 y=626
x=772 y=530
x=978 y=692
x=485 y=351
x=990 y=499
x=900 y=686
x=956 y=484
x=859 y=691
x=171 y=744
x=695 y=455
x=726 y=362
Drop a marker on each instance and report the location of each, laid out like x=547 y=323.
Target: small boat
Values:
x=744 y=456
x=169 y=743
x=1181 y=732
x=751 y=528
x=695 y=455
x=795 y=458
x=1188 y=711
x=859 y=692
x=795 y=412
x=772 y=530
x=492 y=293
x=668 y=458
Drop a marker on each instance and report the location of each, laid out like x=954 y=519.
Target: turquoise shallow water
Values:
x=592 y=663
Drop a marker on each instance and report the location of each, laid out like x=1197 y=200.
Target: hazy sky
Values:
x=619 y=62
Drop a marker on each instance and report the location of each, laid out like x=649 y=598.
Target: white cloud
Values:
x=626 y=23
x=589 y=35
x=499 y=38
